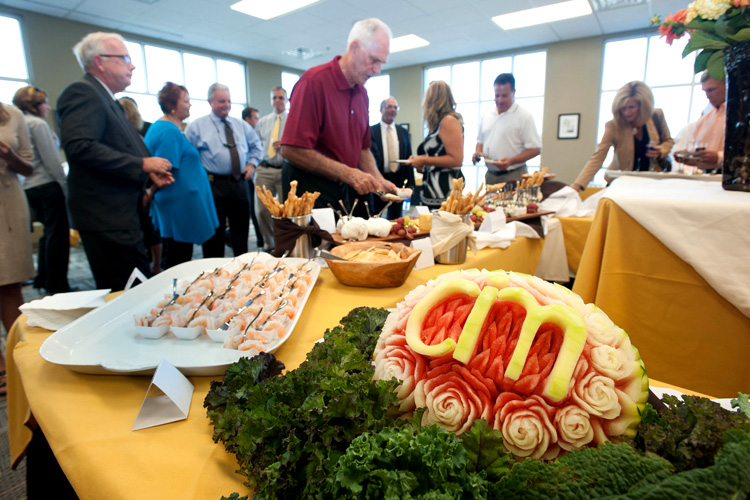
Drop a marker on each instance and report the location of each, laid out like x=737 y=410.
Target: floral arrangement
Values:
x=712 y=26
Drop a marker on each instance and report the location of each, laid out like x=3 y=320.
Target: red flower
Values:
x=673 y=26
x=741 y=3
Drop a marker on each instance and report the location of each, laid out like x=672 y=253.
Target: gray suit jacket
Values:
x=105 y=153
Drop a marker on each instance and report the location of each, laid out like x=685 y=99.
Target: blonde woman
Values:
x=45 y=189
x=440 y=155
x=16 y=263
x=638 y=132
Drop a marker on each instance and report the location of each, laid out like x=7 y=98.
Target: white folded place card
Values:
x=419 y=209
x=426 y=258
x=135 y=275
x=55 y=311
x=493 y=222
x=325 y=219
x=167 y=398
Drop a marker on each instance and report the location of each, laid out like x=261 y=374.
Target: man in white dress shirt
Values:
x=507 y=137
x=270 y=128
x=390 y=143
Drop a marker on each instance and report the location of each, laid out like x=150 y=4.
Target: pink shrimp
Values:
x=274 y=330
x=164 y=319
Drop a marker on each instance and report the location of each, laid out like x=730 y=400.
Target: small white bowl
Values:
x=187 y=333
x=220 y=335
x=152 y=332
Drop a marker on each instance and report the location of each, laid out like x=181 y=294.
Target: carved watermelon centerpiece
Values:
x=550 y=372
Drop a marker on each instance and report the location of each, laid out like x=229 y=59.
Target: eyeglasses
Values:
x=391 y=106
x=125 y=59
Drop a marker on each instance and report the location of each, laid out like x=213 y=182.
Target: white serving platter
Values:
x=663 y=175
x=105 y=341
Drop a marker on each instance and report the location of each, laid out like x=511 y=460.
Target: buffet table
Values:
x=87 y=418
x=688 y=333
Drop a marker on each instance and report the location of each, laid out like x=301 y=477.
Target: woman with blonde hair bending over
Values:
x=45 y=190
x=638 y=132
x=441 y=154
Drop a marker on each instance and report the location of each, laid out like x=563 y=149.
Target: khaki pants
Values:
x=270 y=178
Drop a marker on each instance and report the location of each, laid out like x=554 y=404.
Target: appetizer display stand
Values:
x=686 y=332
x=87 y=419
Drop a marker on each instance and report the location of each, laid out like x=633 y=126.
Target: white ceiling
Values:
x=454 y=28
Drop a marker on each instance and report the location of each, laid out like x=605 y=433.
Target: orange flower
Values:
x=673 y=26
x=741 y=3
x=679 y=16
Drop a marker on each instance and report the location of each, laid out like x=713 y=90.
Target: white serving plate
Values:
x=613 y=174
x=105 y=341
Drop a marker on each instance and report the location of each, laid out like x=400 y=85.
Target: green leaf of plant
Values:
x=701 y=24
x=701 y=60
x=742 y=35
x=702 y=40
x=742 y=403
x=484 y=451
x=715 y=65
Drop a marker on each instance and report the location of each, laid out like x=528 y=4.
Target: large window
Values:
x=14 y=72
x=676 y=89
x=288 y=81
x=154 y=66
x=378 y=90
x=473 y=89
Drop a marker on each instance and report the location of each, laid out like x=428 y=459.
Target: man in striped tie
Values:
x=270 y=128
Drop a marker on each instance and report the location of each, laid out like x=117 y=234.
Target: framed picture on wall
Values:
x=567 y=125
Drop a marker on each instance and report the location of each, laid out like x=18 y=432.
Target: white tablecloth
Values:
x=704 y=225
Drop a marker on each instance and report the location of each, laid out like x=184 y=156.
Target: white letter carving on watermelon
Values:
x=469 y=343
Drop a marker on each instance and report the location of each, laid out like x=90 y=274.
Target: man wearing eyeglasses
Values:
x=109 y=163
x=391 y=143
x=230 y=150
x=326 y=141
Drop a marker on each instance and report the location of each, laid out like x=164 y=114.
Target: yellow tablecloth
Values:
x=687 y=333
x=87 y=418
x=575 y=232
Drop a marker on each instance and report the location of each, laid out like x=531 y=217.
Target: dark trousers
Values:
x=251 y=203
x=48 y=202
x=113 y=255
x=176 y=252
x=330 y=191
x=230 y=199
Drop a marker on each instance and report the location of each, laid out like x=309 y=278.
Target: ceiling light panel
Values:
x=543 y=15
x=407 y=42
x=265 y=9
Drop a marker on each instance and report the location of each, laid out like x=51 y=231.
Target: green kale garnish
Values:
x=742 y=403
x=688 y=432
x=406 y=463
x=289 y=432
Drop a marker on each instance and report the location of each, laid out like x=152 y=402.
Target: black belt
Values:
x=218 y=177
x=505 y=172
x=264 y=164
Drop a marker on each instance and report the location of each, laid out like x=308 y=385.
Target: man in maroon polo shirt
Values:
x=326 y=141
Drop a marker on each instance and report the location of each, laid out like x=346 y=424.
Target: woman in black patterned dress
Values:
x=440 y=155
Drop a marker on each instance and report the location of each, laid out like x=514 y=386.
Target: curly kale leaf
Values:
x=687 y=432
x=599 y=472
x=289 y=432
x=484 y=451
x=742 y=403
x=406 y=463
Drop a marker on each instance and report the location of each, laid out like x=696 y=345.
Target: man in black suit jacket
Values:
x=109 y=163
x=397 y=173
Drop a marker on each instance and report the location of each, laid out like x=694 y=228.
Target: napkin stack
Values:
x=567 y=203
x=56 y=311
x=495 y=232
x=448 y=230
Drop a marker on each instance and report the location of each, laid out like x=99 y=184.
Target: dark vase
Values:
x=737 y=133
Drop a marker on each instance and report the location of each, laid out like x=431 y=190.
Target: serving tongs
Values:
x=175 y=296
x=225 y=326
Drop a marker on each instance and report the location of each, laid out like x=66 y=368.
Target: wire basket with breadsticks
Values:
x=457 y=202
x=293 y=206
